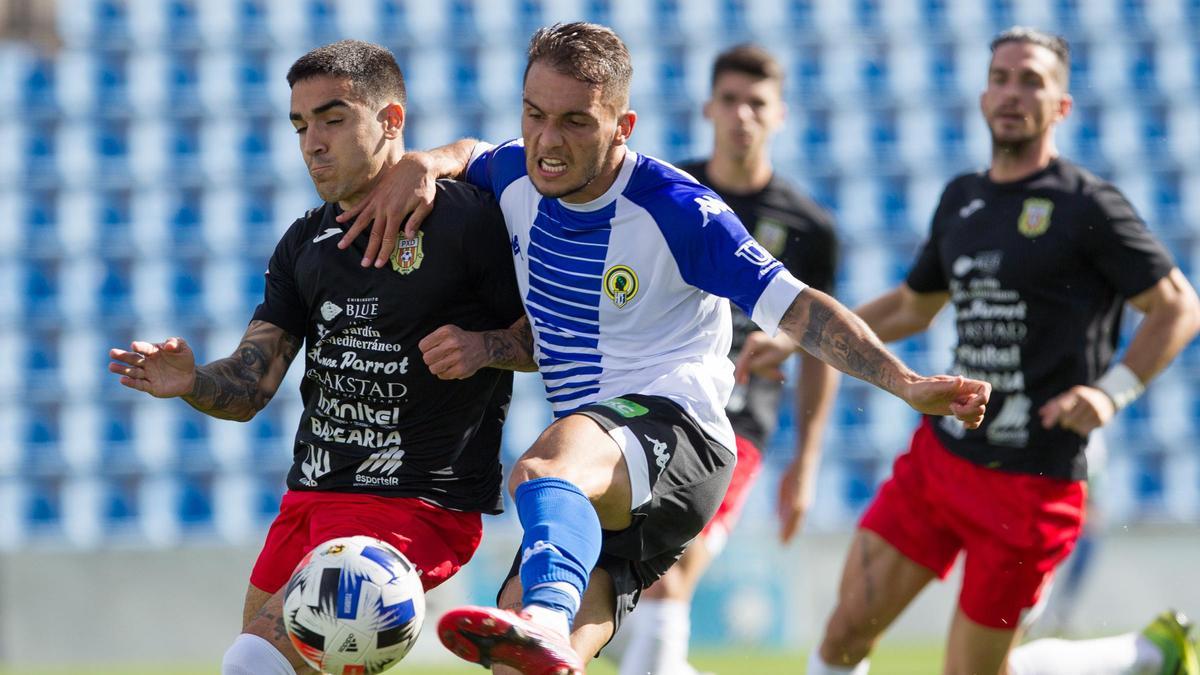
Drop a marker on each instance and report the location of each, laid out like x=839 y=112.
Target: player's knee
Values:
x=254 y=655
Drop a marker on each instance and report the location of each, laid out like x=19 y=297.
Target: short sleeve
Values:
x=812 y=254
x=715 y=253
x=495 y=167
x=927 y=274
x=1120 y=246
x=489 y=258
x=282 y=304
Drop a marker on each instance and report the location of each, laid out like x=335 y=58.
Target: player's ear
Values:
x=708 y=106
x=392 y=119
x=1065 y=105
x=625 y=124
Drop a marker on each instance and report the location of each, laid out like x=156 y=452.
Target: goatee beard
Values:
x=1010 y=148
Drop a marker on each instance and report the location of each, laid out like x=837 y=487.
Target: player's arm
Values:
x=232 y=388
x=828 y=330
x=901 y=312
x=816 y=388
x=404 y=190
x=454 y=354
x=1171 y=321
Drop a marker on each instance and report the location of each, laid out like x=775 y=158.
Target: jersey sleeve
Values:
x=927 y=274
x=489 y=258
x=716 y=254
x=495 y=167
x=282 y=303
x=1120 y=245
x=812 y=255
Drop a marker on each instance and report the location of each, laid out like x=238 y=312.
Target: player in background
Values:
x=385 y=446
x=746 y=109
x=1038 y=257
x=623 y=262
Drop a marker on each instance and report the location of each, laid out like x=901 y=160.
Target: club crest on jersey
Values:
x=620 y=285
x=1035 y=217
x=408 y=254
x=772 y=235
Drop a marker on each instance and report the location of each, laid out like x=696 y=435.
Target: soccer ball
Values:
x=353 y=606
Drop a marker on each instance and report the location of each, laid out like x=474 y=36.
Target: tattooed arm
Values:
x=453 y=353
x=834 y=334
x=232 y=388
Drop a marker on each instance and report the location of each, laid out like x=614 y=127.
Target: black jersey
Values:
x=800 y=235
x=1038 y=271
x=375 y=419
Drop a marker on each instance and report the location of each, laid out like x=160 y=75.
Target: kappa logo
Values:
x=711 y=206
x=329 y=232
x=329 y=311
x=349 y=644
x=537 y=547
x=383 y=462
x=662 y=455
x=315 y=465
x=516 y=246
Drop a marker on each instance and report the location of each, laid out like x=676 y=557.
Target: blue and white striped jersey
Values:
x=626 y=292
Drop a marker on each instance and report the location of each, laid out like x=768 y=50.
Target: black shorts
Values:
x=688 y=473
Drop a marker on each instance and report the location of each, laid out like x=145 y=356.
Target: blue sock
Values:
x=561 y=543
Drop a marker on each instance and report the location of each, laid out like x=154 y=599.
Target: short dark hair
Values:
x=1032 y=36
x=587 y=52
x=749 y=59
x=372 y=70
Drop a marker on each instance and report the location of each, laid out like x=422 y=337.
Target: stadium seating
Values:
x=152 y=168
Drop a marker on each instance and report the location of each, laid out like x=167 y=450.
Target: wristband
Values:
x=1121 y=384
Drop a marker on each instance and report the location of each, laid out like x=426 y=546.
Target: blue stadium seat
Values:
x=41 y=153
x=253 y=20
x=117 y=453
x=464 y=66
x=183 y=82
x=120 y=505
x=39 y=93
x=43 y=506
x=183 y=25
x=112 y=83
x=253 y=81
x=42 y=435
x=116 y=288
x=111 y=24
x=42 y=290
x=187 y=288
x=323 y=22
x=195 y=501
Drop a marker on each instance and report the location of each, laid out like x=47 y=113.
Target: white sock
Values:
x=658 y=639
x=1128 y=654
x=549 y=618
x=252 y=655
x=818 y=667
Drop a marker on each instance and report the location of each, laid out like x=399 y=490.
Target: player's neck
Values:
x=1013 y=164
x=739 y=175
x=395 y=151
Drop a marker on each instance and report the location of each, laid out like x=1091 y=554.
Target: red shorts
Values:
x=436 y=540
x=1015 y=528
x=745 y=472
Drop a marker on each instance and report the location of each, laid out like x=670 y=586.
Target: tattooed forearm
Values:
x=238 y=386
x=511 y=348
x=835 y=335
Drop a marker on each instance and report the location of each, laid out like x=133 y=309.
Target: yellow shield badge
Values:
x=620 y=284
x=408 y=254
x=1035 y=217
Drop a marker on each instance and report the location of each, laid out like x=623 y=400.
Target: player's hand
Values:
x=162 y=369
x=796 y=489
x=1080 y=409
x=453 y=353
x=762 y=355
x=950 y=395
x=406 y=189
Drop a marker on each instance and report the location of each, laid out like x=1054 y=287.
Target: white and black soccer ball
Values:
x=354 y=606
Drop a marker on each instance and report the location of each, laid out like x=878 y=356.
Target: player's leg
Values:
x=1162 y=648
x=263 y=648
x=593 y=468
x=660 y=629
x=973 y=648
x=878 y=582
x=904 y=541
